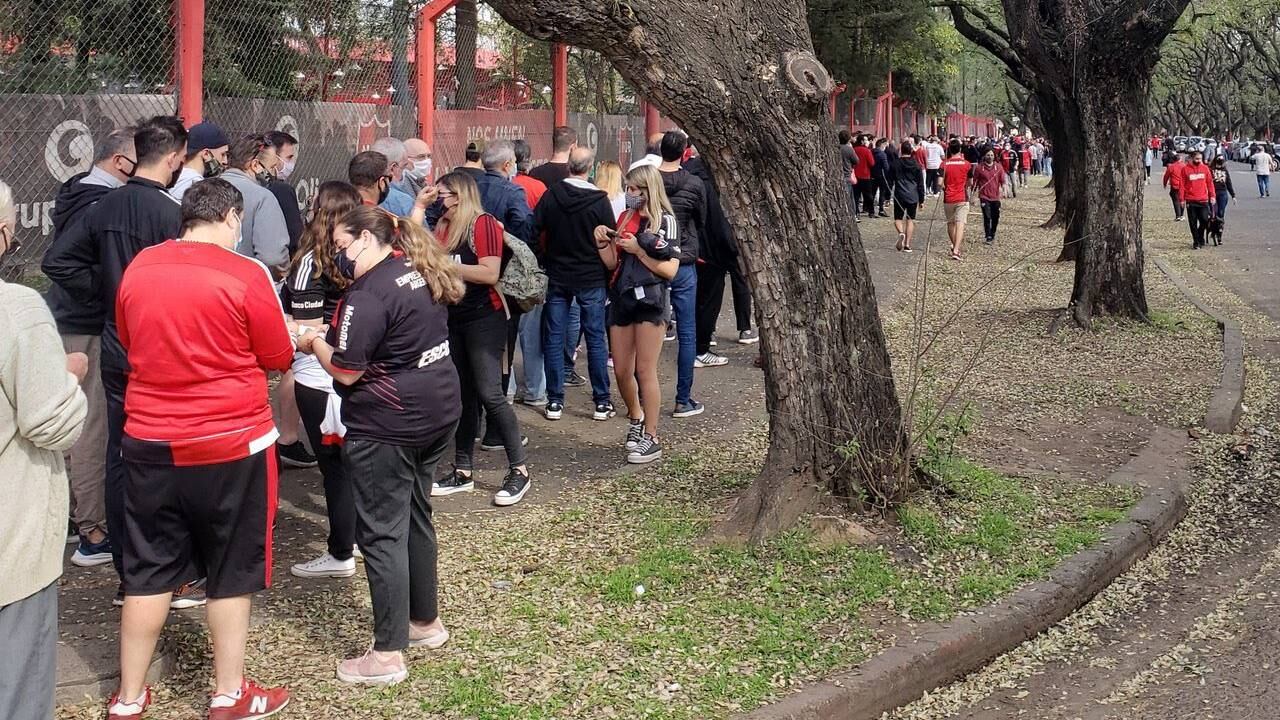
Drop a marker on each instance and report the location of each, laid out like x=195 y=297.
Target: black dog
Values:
x=1216 y=225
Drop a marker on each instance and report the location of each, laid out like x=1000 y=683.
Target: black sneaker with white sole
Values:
x=646 y=451
x=689 y=409
x=496 y=444
x=553 y=411
x=748 y=337
x=295 y=455
x=514 y=487
x=573 y=379
x=604 y=411
x=635 y=431
x=455 y=482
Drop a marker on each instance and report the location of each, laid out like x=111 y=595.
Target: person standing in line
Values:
x=933 y=156
x=865 y=170
x=41 y=416
x=388 y=354
x=530 y=324
x=478 y=338
x=1197 y=192
x=956 y=174
x=286 y=149
x=1173 y=181
x=1225 y=193
x=311 y=293
x=652 y=152
x=563 y=141
x=417 y=172
x=688 y=197
x=207 y=147
x=563 y=224
x=609 y=179
x=369 y=173
x=988 y=179
x=880 y=175
x=397 y=161
x=253 y=165
x=723 y=244
x=80 y=326
x=533 y=188
x=1263 y=165
x=850 y=158
x=644 y=255
x=501 y=197
x=202 y=482
x=88 y=262
x=908 y=181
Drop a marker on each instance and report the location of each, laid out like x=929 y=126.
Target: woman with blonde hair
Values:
x=388 y=352
x=609 y=179
x=311 y=293
x=643 y=254
x=478 y=337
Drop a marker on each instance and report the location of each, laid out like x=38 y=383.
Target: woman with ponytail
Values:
x=478 y=337
x=388 y=353
x=310 y=295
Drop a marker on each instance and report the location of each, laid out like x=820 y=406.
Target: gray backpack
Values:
x=523 y=281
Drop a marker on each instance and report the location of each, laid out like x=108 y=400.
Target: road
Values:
x=1193 y=630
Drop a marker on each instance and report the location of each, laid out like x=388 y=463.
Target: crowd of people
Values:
x=1200 y=186
x=907 y=174
x=200 y=324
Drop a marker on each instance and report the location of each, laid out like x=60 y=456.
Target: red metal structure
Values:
x=189 y=59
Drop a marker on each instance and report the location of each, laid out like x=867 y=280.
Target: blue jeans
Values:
x=556 y=318
x=684 y=302
x=535 y=374
x=1264 y=185
x=1224 y=197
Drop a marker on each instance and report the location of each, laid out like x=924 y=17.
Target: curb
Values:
x=89 y=682
x=1226 y=405
x=944 y=653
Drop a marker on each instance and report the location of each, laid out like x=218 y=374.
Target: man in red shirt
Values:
x=532 y=186
x=862 y=171
x=1199 y=196
x=1173 y=181
x=202 y=326
x=955 y=194
x=988 y=181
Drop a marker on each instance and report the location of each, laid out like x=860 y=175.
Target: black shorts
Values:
x=214 y=521
x=625 y=310
x=901 y=211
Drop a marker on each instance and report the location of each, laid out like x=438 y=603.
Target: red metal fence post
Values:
x=652 y=121
x=560 y=83
x=188 y=56
x=425 y=60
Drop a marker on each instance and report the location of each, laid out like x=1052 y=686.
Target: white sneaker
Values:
x=325 y=566
x=355 y=553
x=710 y=359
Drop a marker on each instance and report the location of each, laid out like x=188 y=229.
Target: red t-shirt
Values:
x=533 y=189
x=955 y=179
x=201 y=325
x=1197 y=184
x=866 y=159
x=488 y=243
x=919 y=156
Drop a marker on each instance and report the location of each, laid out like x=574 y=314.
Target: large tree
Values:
x=742 y=76
x=1089 y=65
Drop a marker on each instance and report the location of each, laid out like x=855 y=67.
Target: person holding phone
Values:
x=642 y=255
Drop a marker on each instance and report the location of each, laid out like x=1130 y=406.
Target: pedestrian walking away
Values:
x=908 y=181
x=1173 y=181
x=1263 y=165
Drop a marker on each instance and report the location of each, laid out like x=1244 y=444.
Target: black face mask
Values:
x=384 y=189
x=212 y=168
x=133 y=168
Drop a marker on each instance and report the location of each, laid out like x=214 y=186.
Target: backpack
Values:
x=522 y=280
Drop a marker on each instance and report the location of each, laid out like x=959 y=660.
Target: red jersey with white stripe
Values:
x=201 y=325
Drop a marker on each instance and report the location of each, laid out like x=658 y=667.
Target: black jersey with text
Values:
x=309 y=294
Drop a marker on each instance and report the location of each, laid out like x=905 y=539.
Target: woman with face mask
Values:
x=643 y=254
x=477 y=336
x=311 y=292
x=388 y=353
x=1226 y=193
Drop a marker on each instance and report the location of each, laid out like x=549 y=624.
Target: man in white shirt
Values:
x=1263 y=164
x=207 y=147
x=933 y=155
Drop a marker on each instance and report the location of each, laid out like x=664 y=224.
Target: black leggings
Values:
x=337 y=485
x=477 y=347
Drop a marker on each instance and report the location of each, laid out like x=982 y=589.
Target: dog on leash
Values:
x=1216 y=226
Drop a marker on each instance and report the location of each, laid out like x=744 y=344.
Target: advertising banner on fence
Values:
x=455 y=129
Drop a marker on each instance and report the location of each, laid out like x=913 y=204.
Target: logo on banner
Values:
x=69 y=150
x=593 y=136
x=287 y=124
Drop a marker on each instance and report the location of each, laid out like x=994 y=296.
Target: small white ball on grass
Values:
x=639 y=590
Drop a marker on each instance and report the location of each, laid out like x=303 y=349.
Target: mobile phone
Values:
x=612 y=234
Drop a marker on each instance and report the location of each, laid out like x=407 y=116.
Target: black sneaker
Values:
x=671 y=332
x=604 y=411
x=514 y=487
x=689 y=409
x=646 y=451
x=553 y=410
x=748 y=337
x=573 y=379
x=496 y=444
x=295 y=455
x=455 y=482
x=635 y=431
x=118 y=600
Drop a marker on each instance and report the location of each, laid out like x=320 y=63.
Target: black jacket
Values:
x=90 y=258
x=907 y=180
x=288 y=199
x=70 y=208
x=564 y=224
x=688 y=196
x=719 y=245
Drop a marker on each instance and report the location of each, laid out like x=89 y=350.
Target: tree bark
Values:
x=466 y=26
x=755 y=96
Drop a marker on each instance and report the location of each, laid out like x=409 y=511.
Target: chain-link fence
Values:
x=70 y=73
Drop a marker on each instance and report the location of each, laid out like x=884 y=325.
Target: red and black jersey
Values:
x=201 y=326
x=478 y=300
x=389 y=327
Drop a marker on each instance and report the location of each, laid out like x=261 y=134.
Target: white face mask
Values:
x=287 y=169
x=420 y=171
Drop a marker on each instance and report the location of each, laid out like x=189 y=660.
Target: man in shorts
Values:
x=955 y=194
x=202 y=326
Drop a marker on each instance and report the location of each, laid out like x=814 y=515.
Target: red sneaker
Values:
x=118 y=709
x=255 y=702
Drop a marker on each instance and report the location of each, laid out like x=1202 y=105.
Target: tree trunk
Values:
x=758 y=106
x=466 y=26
